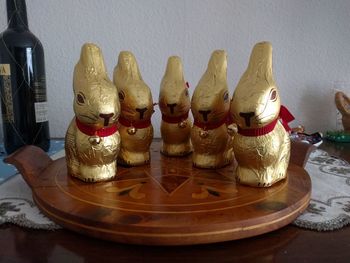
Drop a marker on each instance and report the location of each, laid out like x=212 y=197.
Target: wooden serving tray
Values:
x=168 y=202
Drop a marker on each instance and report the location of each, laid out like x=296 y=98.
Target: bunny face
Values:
x=210 y=106
x=174 y=97
x=256 y=101
x=255 y=105
x=97 y=104
x=95 y=98
x=174 y=101
x=136 y=102
x=210 y=100
x=134 y=95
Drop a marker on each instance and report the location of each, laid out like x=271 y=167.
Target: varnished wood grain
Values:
x=165 y=203
x=288 y=244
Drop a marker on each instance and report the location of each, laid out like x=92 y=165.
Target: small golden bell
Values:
x=232 y=129
x=131 y=130
x=182 y=124
x=94 y=140
x=203 y=134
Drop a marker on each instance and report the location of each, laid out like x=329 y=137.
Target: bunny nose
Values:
x=205 y=114
x=141 y=111
x=106 y=118
x=247 y=116
x=172 y=107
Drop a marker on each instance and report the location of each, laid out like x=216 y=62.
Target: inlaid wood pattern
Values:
x=168 y=202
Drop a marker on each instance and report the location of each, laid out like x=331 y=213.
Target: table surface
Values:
x=288 y=244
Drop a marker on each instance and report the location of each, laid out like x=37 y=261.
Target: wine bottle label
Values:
x=41 y=112
x=40 y=90
x=40 y=104
x=6 y=96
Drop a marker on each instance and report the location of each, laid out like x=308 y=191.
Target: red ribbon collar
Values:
x=140 y=124
x=259 y=131
x=91 y=131
x=285 y=116
x=211 y=126
x=178 y=119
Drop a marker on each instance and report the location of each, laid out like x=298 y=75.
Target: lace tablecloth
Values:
x=329 y=208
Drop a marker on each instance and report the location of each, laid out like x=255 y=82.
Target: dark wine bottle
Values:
x=22 y=83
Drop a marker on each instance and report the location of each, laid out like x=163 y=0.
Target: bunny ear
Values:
x=174 y=71
x=126 y=70
x=91 y=59
x=90 y=67
x=217 y=66
x=260 y=64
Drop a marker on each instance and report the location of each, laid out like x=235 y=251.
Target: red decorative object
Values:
x=91 y=131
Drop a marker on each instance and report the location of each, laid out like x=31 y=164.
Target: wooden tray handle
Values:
x=30 y=162
x=300 y=152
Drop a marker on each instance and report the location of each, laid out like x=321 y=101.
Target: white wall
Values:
x=311 y=41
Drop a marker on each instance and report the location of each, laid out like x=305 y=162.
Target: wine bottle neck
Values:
x=17 y=14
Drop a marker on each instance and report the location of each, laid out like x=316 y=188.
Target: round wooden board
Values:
x=168 y=202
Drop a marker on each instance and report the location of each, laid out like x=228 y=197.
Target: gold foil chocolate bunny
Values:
x=212 y=145
x=262 y=145
x=92 y=139
x=174 y=103
x=136 y=102
x=343 y=105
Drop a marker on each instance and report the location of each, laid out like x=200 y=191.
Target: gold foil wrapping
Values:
x=212 y=145
x=174 y=103
x=262 y=160
x=136 y=102
x=92 y=157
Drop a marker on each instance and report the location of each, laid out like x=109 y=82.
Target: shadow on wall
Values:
x=320 y=108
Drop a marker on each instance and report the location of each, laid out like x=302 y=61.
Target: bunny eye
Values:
x=273 y=95
x=226 y=97
x=80 y=98
x=121 y=95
